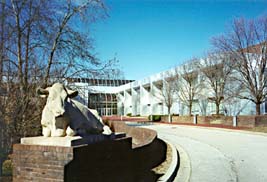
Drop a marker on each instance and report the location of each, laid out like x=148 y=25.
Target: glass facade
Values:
x=99 y=82
x=105 y=104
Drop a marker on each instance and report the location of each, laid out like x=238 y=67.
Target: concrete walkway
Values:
x=219 y=155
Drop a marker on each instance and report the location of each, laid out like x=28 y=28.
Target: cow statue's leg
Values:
x=58 y=129
x=46 y=122
x=70 y=131
x=58 y=133
x=107 y=130
x=46 y=131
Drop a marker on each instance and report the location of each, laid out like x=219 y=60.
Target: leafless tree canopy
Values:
x=168 y=92
x=165 y=91
x=42 y=42
x=246 y=44
x=215 y=67
x=189 y=83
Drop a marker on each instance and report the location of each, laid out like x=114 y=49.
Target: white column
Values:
x=151 y=100
x=234 y=121
x=195 y=119
x=134 y=101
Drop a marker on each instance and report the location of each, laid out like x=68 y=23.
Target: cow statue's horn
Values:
x=71 y=93
x=41 y=91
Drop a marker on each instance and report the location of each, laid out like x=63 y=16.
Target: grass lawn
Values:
x=164 y=166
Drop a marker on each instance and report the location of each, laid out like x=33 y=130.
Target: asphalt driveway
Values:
x=219 y=155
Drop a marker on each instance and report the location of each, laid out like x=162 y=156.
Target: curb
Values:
x=180 y=167
x=172 y=170
x=184 y=171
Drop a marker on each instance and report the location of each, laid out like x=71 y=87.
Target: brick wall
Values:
x=140 y=136
x=102 y=161
x=146 y=146
x=242 y=121
x=246 y=121
x=219 y=119
x=261 y=120
x=179 y=119
x=112 y=160
x=202 y=120
x=40 y=163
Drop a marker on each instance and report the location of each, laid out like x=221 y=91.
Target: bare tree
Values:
x=20 y=59
x=234 y=106
x=69 y=49
x=215 y=67
x=189 y=84
x=246 y=43
x=3 y=36
x=203 y=104
x=42 y=42
x=166 y=92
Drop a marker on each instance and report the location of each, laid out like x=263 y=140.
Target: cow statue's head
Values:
x=56 y=95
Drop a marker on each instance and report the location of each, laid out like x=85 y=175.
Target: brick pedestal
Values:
x=102 y=161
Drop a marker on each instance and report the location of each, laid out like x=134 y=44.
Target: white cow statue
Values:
x=63 y=116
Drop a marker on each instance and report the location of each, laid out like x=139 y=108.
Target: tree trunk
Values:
x=169 y=115
x=190 y=109
x=258 y=108
x=217 y=108
x=169 y=118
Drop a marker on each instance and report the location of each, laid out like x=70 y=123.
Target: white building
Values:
x=145 y=97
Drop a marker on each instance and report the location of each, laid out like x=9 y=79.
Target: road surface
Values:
x=219 y=155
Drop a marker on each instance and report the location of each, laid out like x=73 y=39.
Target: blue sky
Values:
x=151 y=36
